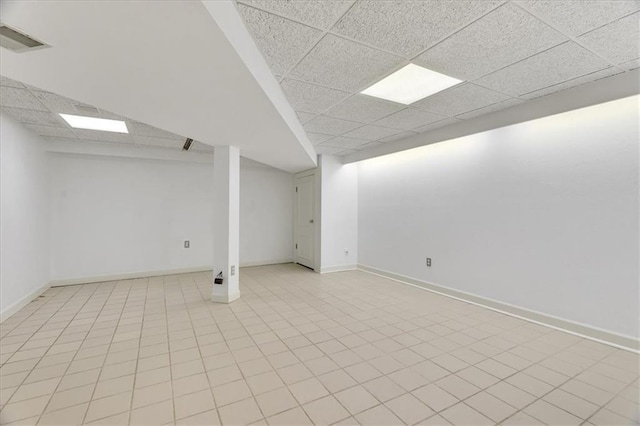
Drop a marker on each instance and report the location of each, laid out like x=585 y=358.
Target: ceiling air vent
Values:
x=16 y=41
x=187 y=144
x=86 y=109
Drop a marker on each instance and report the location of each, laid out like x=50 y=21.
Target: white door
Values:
x=304 y=221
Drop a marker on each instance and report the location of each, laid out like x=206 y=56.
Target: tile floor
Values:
x=298 y=348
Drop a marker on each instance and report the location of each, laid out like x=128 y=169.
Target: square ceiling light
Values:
x=91 y=123
x=410 y=84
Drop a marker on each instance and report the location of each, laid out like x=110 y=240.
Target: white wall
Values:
x=266 y=214
x=115 y=215
x=24 y=216
x=542 y=215
x=339 y=214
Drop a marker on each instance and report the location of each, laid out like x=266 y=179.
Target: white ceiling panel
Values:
x=371 y=133
x=344 y=143
x=159 y=142
x=5 y=81
x=35 y=117
x=491 y=108
x=572 y=83
x=545 y=69
x=329 y=150
x=619 y=41
x=95 y=135
x=408 y=27
x=60 y=104
x=363 y=109
x=283 y=42
x=308 y=97
x=304 y=116
x=436 y=125
x=576 y=17
x=52 y=132
x=397 y=137
x=14 y=97
x=317 y=13
x=460 y=99
x=408 y=119
x=502 y=37
x=631 y=65
x=330 y=126
x=317 y=138
x=136 y=128
x=344 y=64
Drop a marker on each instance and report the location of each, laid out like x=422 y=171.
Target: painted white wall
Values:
x=266 y=214
x=542 y=215
x=339 y=213
x=115 y=215
x=24 y=215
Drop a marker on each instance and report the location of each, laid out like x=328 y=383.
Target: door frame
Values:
x=316 y=218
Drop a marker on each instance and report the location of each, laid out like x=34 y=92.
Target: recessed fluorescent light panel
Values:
x=410 y=84
x=91 y=123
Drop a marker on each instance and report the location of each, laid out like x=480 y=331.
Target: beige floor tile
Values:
x=114 y=386
x=264 y=382
x=152 y=377
x=409 y=409
x=240 y=413
x=293 y=417
x=571 y=403
x=207 y=418
x=383 y=388
x=462 y=414
x=362 y=372
x=551 y=414
x=156 y=414
x=490 y=406
x=231 y=392
x=67 y=416
x=378 y=416
x=356 y=399
x=32 y=390
x=276 y=401
x=187 y=385
x=336 y=381
x=68 y=398
x=152 y=394
x=294 y=373
x=435 y=397
x=308 y=390
x=194 y=403
x=109 y=406
x=511 y=395
x=14 y=412
x=325 y=411
x=520 y=419
x=457 y=387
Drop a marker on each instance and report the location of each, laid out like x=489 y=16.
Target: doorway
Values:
x=304 y=230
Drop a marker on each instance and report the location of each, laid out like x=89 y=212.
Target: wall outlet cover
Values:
x=187 y=244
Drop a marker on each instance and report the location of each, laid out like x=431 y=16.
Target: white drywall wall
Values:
x=339 y=213
x=24 y=216
x=115 y=216
x=542 y=215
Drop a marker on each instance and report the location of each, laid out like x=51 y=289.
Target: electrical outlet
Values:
x=233 y=270
x=429 y=262
x=186 y=244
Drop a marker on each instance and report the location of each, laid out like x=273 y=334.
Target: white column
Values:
x=226 y=222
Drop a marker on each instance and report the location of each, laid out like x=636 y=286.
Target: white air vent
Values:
x=14 y=40
x=87 y=110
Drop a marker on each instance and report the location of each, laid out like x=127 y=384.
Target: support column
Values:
x=226 y=223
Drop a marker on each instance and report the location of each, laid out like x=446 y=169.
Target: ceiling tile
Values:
x=631 y=65
x=491 y=108
x=282 y=41
x=14 y=97
x=53 y=132
x=43 y=118
x=545 y=69
x=330 y=126
x=5 y=81
x=60 y=104
x=344 y=64
x=363 y=109
x=160 y=142
x=575 y=17
x=502 y=37
x=397 y=137
x=619 y=41
x=96 y=135
x=436 y=125
x=344 y=143
x=371 y=133
x=317 y=138
x=370 y=145
x=142 y=129
x=304 y=116
x=328 y=150
x=408 y=27
x=317 y=13
x=459 y=99
x=310 y=97
x=408 y=119
x=574 y=82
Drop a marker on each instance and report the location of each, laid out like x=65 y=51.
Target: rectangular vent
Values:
x=187 y=144
x=16 y=41
x=86 y=110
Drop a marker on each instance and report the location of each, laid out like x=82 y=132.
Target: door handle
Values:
x=310 y=220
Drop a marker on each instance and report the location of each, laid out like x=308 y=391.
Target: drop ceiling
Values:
x=39 y=110
x=324 y=53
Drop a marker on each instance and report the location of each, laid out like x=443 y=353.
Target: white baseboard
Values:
x=337 y=268
x=15 y=307
x=265 y=263
x=128 y=276
x=583 y=330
